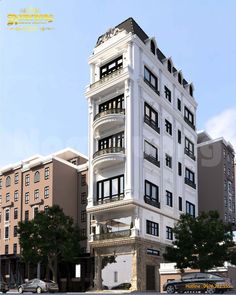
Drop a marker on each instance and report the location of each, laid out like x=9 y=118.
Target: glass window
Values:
x=169 y=233
x=7 y=214
x=151 y=79
x=167 y=93
x=151 y=117
x=46 y=173
x=46 y=192
x=36 y=176
x=16 y=177
x=111 y=66
x=8 y=181
x=26 y=198
x=27 y=179
x=190 y=209
x=16 y=196
x=169 y=199
x=152 y=228
x=168 y=127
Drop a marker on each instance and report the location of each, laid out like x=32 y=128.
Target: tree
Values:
x=200 y=243
x=51 y=237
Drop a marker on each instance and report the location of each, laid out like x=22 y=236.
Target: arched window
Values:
x=179 y=78
x=8 y=181
x=169 y=66
x=191 y=90
x=36 y=176
x=153 y=47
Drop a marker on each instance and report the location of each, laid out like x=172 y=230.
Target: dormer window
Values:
x=169 y=66
x=153 y=47
x=179 y=78
x=191 y=90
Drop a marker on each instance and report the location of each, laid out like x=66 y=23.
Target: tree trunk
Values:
x=52 y=263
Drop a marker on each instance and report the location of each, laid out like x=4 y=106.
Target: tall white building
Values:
x=142 y=156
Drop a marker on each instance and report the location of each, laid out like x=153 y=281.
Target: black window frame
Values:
x=180 y=201
x=150 y=199
x=168 y=161
x=149 y=112
x=169 y=233
x=167 y=92
x=26 y=215
x=113 y=103
x=149 y=77
x=168 y=127
x=152 y=228
x=190 y=208
x=111 y=196
x=116 y=140
x=149 y=156
x=179 y=136
x=190 y=178
x=15 y=213
x=179 y=104
x=189 y=148
x=105 y=71
x=6 y=232
x=189 y=118
x=179 y=168
x=46 y=192
x=15 y=231
x=169 y=198
x=83 y=216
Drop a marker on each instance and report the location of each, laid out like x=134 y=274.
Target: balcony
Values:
x=110 y=199
x=113 y=235
x=109 y=119
x=107 y=78
x=151 y=123
x=152 y=159
x=189 y=123
x=107 y=157
x=189 y=153
x=153 y=202
x=190 y=182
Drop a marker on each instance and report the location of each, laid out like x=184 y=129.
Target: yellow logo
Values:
x=29 y=19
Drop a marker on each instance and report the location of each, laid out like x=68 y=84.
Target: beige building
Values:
x=216 y=178
x=33 y=185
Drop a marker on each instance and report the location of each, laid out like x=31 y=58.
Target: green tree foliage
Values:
x=51 y=237
x=200 y=243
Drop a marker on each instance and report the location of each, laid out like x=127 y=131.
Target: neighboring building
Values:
x=33 y=185
x=216 y=178
x=142 y=156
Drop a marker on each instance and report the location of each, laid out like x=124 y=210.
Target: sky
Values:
x=43 y=74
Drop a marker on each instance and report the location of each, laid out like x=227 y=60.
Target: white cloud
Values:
x=223 y=125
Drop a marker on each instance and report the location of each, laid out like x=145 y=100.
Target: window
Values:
x=179 y=78
x=169 y=199
x=151 y=117
x=16 y=196
x=6 y=249
x=27 y=179
x=190 y=209
x=151 y=153
x=36 y=176
x=151 y=196
x=151 y=79
x=36 y=210
x=167 y=93
x=14 y=249
x=8 y=181
x=190 y=178
x=46 y=173
x=15 y=213
x=153 y=252
x=153 y=47
x=226 y=202
x=36 y=194
x=179 y=136
x=179 y=169
x=0 y=182
x=168 y=161
x=7 y=214
x=225 y=185
x=168 y=127
x=83 y=232
x=115 y=276
x=46 y=209
x=191 y=90
x=0 y=198
x=26 y=198
x=113 y=142
x=189 y=149
x=16 y=177
x=189 y=118
x=6 y=232
x=26 y=215
x=83 y=198
x=15 y=231
x=180 y=204
x=169 y=66
x=7 y=197
x=83 y=215
x=169 y=233
x=112 y=104
x=46 y=192
x=111 y=188
x=83 y=180
x=179 y=105
x=152 y=228
x=111 y=67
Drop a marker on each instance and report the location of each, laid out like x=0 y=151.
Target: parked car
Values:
x=4 y=287
x=199 y=282
x=123 y=286
x=38 y=286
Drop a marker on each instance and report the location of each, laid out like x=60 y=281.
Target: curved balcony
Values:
x=108 y=119
x=108 y=157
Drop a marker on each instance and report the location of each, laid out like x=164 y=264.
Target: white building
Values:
x=142 y=149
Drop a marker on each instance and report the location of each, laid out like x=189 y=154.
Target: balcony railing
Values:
x=111 y=150
x=150 y=201
x=113 y=235
x=189 y=123
x=190 y=182
x=151 y=123
x=109 y=200
x=189 y=153
x=107 y=78
x=152 y=159
x=108 y=112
